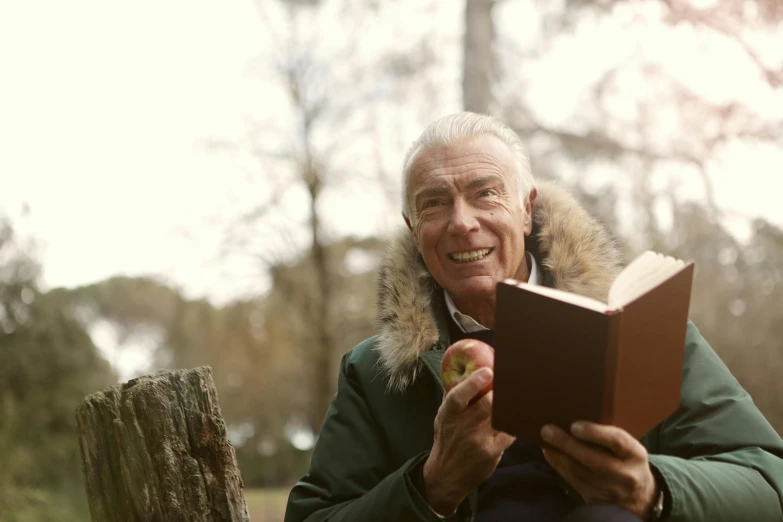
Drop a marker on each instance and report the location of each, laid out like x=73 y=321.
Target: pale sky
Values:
x=104 y=107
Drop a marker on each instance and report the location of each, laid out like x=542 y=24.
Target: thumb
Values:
x=503 y=440
x=459 y=397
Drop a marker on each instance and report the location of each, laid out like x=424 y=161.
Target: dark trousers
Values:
x=600 y=514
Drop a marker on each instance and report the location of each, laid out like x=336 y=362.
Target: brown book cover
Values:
x=558 y=362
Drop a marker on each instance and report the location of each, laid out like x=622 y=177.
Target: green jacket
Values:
x=720 y=460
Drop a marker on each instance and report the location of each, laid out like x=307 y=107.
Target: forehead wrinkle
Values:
x=485 y=180
x=461 y=171
x=425 y=157
x=482 y=158
x=440 y=186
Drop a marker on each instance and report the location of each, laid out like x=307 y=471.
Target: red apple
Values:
x=463 y=358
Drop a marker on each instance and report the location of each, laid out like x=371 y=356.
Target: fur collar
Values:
x=573 y=247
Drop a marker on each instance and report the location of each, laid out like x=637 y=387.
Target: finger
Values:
x=459 y=397
x=595 y=458
x=616 y=440
x=481 y=406
x=574 y=473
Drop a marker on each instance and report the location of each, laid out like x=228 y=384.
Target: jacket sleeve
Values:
x=349 y=477
x=719 y=457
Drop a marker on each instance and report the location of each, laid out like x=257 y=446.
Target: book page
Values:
x=643 y=274
x=561 y=295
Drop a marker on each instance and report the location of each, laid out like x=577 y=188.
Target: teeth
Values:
x=473 y=255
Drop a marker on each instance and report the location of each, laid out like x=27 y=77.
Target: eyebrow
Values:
x=429 y=192
x=442 y=190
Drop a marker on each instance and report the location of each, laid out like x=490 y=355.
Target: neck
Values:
x=483 y=309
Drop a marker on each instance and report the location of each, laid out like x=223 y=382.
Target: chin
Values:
x=473 y=290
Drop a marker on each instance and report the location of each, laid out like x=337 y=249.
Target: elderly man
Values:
x=394 y=448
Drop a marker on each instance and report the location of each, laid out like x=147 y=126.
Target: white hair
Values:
x=454 y=128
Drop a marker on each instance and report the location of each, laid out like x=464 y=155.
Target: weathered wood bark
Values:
x=155 y=449
x=478 y=68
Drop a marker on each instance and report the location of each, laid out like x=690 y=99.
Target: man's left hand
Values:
x=605 y=464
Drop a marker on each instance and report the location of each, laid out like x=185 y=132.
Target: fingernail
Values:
x=578 y=428
x=485 y=375
x=547 y=433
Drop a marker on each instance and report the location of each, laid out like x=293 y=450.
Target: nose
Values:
x=463 y=219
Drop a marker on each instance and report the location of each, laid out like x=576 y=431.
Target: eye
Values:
x=430 y=203
x=486 y=193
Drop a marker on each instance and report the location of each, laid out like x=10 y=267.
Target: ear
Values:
x=530 y=203
x=412 y=231
x=407 y=222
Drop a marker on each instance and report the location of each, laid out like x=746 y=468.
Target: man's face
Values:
x=469 y=222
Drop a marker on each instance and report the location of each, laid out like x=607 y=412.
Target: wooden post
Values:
x=155 y=449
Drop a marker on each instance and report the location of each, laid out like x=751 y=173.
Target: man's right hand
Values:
x=466 y=449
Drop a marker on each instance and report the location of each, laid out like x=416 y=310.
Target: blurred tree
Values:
x=639 y=119
x=48 y=363
x=350 y=316
x=478 y=74
x=306 y=162
x=259 y=349
x=334 y=88
x=640 y=133
x=274 y=405
x=736 y=298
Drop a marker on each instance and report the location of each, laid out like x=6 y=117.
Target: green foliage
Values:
x=48 y=363
x=261 y=350
x=736 y=301
x=283 y=467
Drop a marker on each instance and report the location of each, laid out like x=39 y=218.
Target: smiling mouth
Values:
x=472 y=255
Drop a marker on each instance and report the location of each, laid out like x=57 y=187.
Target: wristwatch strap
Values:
x=657 y=510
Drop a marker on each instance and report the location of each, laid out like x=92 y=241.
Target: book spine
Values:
x=609 y=407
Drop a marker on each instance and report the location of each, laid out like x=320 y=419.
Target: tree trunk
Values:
x=324 y=386
x=478 y=68
x=155 y=449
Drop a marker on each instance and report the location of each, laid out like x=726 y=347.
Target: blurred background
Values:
x=187 y=183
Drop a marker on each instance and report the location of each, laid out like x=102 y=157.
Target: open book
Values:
x=562 y=357
x=643 y=274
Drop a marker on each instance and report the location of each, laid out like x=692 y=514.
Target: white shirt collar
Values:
x=469 y=325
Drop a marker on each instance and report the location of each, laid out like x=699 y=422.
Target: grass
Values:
x=266 y=505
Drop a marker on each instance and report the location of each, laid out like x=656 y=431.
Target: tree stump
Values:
x=155 y=449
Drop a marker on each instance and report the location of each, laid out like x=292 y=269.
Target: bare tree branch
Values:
x=595 y=144
x=682 y=12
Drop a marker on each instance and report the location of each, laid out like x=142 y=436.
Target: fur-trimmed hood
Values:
x=572 y=246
